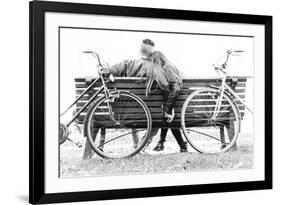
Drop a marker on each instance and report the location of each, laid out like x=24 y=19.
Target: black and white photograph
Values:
x=149 y=102
x=139 y=102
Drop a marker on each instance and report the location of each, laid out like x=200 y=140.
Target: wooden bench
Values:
x=155 y=99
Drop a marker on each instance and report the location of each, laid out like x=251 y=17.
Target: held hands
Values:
x=170 y=117
x=111 y=78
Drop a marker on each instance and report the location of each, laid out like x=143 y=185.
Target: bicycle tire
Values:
x=91 y=112
x=184 y=118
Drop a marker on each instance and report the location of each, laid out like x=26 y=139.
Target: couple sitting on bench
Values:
x=156 y=68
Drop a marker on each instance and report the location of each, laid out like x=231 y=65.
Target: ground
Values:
x=71 y=163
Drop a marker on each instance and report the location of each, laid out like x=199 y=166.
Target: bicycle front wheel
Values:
x=126 y=121
x=209 y=126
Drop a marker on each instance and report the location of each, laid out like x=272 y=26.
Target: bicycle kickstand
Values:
x=78 y=144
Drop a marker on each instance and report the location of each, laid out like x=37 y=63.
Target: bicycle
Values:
x=213 y=107
x=109 y=109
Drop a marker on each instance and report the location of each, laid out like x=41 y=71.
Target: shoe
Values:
x=183 y=147
x=183 y=150
x=159 y=147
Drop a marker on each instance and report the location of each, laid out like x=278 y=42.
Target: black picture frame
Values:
x=37 y=10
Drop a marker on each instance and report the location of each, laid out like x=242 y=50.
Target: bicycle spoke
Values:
x=204 y=134
x=106 y=142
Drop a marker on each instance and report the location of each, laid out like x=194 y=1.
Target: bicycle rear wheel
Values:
x=126 y=131
x=205 y=131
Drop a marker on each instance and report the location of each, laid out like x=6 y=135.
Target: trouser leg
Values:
x=170 y=98
x=178 y=136
x=163 y=135
x=160 y=144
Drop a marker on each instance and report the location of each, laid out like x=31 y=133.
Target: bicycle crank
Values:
x=78 y=144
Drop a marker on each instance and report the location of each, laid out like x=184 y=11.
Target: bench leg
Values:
x=222 y=136
x=102 y=138
x=230 y=133
x=135 y=138
x=88 y=152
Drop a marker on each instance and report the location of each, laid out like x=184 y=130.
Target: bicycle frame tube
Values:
x=81 y=95
x=104 y=89
x=222 y=89
x=218 y=103
x=86 y=105
x=237 y=97
x=106 y=92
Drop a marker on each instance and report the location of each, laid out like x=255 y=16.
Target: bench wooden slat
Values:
x=154 y=104
x=159 y=98
x=87 y=97
x=142 y=91
x=122 y=85
x=159 y=115
x=159 y=109
x=141 y=94
x=136 y=79
x=142 y=86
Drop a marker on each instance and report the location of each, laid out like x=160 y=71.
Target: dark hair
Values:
x=148 y=41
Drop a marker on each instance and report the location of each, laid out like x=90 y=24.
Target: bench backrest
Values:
x=154 y=100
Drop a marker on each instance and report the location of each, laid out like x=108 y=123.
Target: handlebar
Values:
x=95 y=54
x=223 y=66
x=238 y=51
x=100 y=71
x=87 y=52
x=229 y=52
